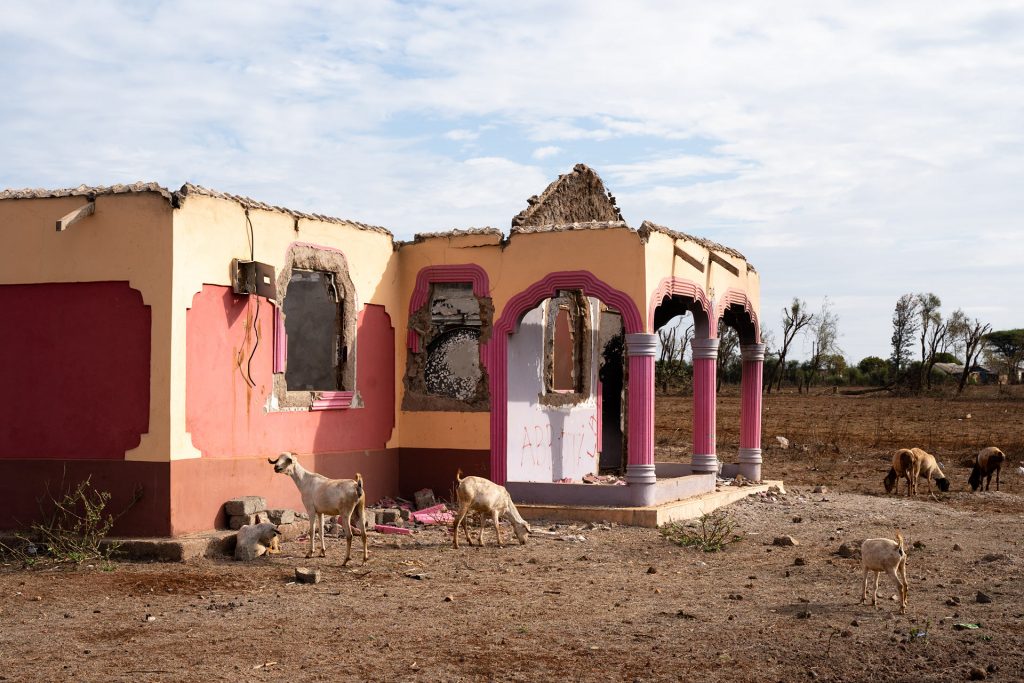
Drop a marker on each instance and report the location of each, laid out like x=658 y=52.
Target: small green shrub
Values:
x=73 y=525
x=710 y=533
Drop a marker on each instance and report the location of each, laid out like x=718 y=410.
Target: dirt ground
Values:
x=622 y=604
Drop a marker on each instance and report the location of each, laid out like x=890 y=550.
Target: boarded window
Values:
x=313 y=312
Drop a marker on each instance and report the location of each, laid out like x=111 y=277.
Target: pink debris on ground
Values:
x=387 y=529
x=435 y=514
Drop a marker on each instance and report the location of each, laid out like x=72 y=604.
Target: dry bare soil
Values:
x=622 y=605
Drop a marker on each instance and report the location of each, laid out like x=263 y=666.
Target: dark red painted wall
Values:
x=23 y=483
x=227 y=417
x=74 y=358
x=435 y=468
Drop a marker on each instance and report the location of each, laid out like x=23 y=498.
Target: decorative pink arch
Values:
x=463 y=272
x=513 y=312
x=737 y=297
x=675 y=286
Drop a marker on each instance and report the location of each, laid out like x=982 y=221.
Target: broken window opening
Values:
x=565 y=339
x=447 y=367
x=314 y=317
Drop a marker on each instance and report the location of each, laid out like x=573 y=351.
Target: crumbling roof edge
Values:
x=250 y=203
x=647 y=227
x=563 y=227
x=176 y=197
x=86 y=191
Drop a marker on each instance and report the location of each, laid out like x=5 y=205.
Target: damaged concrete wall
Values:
x=548 y=442
x=446 y=373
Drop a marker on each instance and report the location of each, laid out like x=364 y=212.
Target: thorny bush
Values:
x=710 y=533
x=72 y=527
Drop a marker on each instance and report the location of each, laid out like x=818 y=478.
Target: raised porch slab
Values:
x=650 y=517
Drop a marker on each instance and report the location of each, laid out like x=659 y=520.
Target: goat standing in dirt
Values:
x=989 y=461
x=902 y=466
x=885 y=555
x=484 y=497
x=913 y=463
x=322 y=496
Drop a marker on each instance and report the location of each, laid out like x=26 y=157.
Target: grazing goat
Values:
x=322 y=496
x=253 y=540
x=925 y=466
x=885 y=555
x=484 y=497
x=913 y=463
x=988 y=461
x=902 y=466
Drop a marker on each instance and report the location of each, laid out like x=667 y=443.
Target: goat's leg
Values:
x=362 y=527
x=460 y=520
x=467 y=521
x=894 y=575
x=874 y=593
x=347 y=521
x=497 y=528
x=312 y=533
x=864 y=593
x=323 y=538
x=906 y=584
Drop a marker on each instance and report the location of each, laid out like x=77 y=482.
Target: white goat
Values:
x=254 y=540
x=988 y=461
x=885 y=555
x=484 y=497
x=322 y=496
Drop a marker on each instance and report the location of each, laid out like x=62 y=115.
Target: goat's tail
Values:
x=899 y=543
x=359 y=485
x=458 y=476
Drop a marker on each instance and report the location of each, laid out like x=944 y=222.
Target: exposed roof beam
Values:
x=715 y=258
x=699 y=265
x=76 y=215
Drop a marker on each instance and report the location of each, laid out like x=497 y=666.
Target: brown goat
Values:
x=989 y=461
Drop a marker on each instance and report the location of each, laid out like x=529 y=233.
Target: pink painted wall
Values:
x=227 y=418
x=74 y=358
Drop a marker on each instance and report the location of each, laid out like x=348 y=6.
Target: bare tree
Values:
x=905 y=323
x=794 y=319
x=968 y=335
x=938 y=342
x=728 y=351
x=928 y=308
x=669 y=368
x=825 y=333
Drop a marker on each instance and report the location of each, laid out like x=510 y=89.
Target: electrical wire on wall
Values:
x=251 y=329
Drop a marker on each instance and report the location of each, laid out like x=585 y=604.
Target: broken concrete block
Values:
x=291 y=531
x=281 y=516
x=306 y=575
x=370 y=515
x=246 y=505
x=386 y=529
x=425 y=498
x=238 y=521
x=391 y=516
x=785 y=541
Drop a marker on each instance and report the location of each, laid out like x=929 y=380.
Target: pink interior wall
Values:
x=227 y=418
x=74 y=358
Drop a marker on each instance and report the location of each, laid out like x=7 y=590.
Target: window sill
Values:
x=333 y=400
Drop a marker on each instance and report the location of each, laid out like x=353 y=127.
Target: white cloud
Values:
x=545 y=152
x=844 y=149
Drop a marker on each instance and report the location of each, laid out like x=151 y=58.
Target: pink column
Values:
x=705 y=360
x=641 y=348
x=750 y=411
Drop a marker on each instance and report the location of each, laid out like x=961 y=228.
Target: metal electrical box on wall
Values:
x=253 y=277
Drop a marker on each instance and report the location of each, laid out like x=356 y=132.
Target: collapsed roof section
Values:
x=576 y=197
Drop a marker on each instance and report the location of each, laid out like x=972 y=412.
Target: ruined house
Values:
x=170 y=342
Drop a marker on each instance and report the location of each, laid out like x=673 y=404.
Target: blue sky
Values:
x=850 y=150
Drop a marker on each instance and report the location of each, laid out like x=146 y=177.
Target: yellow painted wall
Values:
x=127 y=238
x=210 y=231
